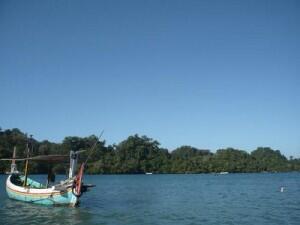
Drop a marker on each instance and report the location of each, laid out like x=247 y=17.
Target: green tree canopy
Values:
x=141 y=154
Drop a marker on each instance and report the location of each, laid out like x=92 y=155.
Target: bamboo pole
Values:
x=26 y=174
x=26 y=167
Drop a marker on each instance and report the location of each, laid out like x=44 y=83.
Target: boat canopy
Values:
x=47 y=158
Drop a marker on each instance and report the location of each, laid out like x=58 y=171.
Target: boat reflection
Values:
x=17 y=211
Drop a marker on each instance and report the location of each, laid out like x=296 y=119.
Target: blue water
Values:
x=170 y=199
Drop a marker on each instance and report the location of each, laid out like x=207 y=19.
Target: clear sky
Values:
x=210 y=74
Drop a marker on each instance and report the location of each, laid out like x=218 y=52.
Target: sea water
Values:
x=258 y=198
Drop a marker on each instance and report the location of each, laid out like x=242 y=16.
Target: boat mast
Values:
x=26 y=163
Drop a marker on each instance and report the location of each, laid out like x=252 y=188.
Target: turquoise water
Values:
x=170 y=199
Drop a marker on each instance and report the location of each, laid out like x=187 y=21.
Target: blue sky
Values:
x=210 y=74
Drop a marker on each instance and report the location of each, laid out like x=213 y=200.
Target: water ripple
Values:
x=171 y=199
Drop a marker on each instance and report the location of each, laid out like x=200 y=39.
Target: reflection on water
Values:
x=27 y=213
x=170 y=199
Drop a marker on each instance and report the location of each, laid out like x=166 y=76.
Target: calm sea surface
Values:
x=170 y=200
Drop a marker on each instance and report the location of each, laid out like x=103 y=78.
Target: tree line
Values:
x=141 y=154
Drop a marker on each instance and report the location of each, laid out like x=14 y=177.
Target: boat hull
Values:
x=45 y=196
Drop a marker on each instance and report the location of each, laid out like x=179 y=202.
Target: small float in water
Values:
x=67 y=192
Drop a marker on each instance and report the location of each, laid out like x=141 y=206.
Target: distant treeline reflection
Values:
x=140 y=154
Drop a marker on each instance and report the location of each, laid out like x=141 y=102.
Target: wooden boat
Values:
x=67 y=192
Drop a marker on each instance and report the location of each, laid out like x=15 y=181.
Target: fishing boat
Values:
x=67 y=192
x=223 y=173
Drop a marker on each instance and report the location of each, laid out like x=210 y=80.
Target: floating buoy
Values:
x=281 y=189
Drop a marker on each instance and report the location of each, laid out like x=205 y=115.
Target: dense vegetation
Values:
x=140 y=154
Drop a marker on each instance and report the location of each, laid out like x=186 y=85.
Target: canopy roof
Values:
x=42 y=158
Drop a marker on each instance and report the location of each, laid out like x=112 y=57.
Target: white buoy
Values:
x=281 y=189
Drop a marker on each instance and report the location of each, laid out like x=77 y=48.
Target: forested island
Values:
x=140 y=154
